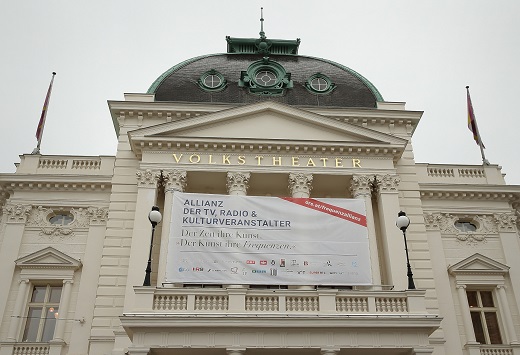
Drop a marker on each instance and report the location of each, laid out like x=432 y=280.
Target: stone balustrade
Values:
x=463 y=174
x=66 y=165
x=237 y=300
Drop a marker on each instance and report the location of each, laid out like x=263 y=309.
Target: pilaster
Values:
x=392 y=239
x=361 y=188
x=15 y=218
x=172 y=180
x=146 y=197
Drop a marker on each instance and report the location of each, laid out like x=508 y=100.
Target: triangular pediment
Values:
x=478 y=264
x=267 y=121
x=48 y=258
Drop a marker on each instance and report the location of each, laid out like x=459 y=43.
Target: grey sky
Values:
x=420 y=52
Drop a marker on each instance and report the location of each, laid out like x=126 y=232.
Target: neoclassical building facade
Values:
x=258 y=120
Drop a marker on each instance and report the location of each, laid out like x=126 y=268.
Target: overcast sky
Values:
x=421 y=52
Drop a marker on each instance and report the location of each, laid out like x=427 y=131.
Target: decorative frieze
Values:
x=174 y=180
x=506 y=222
x=362 y=185
x=387 y=183
x=300 y=184
x=17 y=213
x=147 y=178
x=445 y=223
x=237 y=183
x=39 y=217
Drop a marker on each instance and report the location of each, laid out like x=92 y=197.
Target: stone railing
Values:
x=494 y=350
x=31 y=349
x=58 y=164
x=463 y=174
x=236 y=300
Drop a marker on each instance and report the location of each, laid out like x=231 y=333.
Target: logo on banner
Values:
x=263 y=262
x=250 y=262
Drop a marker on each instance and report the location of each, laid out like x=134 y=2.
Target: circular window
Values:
x=212 y=81
x=465 y=226
x=265 y=78
x=319 y=84
x=61 y=219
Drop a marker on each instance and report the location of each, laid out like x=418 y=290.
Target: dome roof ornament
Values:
x=262 y=33
x=262 y=45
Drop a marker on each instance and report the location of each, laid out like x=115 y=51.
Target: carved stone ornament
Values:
x=147 y=178
x=362 y=185
x=174 y=180
x=300 y=184
x=446 y=224
x=97 y=215
x=17 y=213
x=39 y=218
x=237 y=183
x=506 y=222
x=387 y=183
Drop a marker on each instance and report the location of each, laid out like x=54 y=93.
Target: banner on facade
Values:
x=227 y=239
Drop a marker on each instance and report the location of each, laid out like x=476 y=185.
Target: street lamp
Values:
x=402 y=223
x=154 y=217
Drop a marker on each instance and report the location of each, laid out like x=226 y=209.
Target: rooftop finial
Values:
x=262 y=33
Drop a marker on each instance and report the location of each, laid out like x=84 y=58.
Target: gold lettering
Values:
x=196 y=156
x=225 y=159
x=311 y=162
x=339 y=163
x=259 y=158
x=356 y=163
x=295 y=161
x=241 y=160
x=210 y=161
x=175 y=157
x=324 y=160
x=277 y=161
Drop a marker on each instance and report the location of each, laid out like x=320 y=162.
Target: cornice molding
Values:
x=470 y=192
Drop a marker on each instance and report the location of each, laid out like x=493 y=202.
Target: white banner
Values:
x=226 y=239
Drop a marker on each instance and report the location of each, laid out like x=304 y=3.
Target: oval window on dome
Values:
x=265 y=78
x=212 y=81
x=319 y=84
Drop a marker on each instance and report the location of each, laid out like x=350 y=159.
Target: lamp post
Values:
x=154 y=217
x=402 y=223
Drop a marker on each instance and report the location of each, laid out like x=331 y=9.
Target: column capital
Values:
x=362 y=185
x=460 y=286
x=237 y=182
x=387 y=183
x=17 y=213
x=147 y=177
x=174 y=180
x=506 y=222
x=300 y=184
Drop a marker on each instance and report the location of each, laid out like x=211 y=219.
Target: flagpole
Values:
x=41 y=123
x=472 y=125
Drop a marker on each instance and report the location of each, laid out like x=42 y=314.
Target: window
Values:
x=265 y=78
x=319 y=84
x=61 y=219
x=465 y=226
x=484 y=317
x=42 y=313
x=212 y=81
